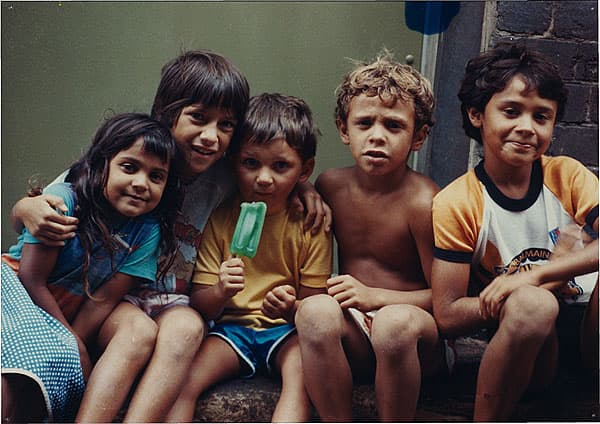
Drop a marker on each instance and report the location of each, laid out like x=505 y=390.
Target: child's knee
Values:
x=318 y=315
x=395 y=328
x=138 y=333
x=182 y=331
x=529 y=311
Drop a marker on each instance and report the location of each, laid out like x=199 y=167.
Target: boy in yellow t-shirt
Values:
x=254 y=301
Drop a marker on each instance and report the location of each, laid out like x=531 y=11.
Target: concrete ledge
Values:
x=571 y=398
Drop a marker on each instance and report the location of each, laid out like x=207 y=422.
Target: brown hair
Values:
x=391 y=81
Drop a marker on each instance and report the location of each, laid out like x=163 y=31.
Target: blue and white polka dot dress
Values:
x=37 y=345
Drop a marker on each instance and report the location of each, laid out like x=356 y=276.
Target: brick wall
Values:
x=567 y=32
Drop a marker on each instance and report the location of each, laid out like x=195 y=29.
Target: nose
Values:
x=264 y=177
x=525 y=124
x=139 y=182
x=377 y=135
x=209 y=134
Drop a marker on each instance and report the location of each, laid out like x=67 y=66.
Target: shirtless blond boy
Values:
x=376 y=320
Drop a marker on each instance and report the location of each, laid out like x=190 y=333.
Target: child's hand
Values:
x=350 y=293
x=280 y=302
x=306 y=199
x=231 y=277
x=492 y=298
x=39 y=215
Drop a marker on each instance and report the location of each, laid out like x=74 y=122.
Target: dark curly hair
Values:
x=88 y=177
x=491 y=71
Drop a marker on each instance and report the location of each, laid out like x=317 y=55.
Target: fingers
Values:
x=56 y=202
x=279 y=301
x=328 y=217
x=231 y=276
x=315 y=213
x=491 y=301
x=45 y=220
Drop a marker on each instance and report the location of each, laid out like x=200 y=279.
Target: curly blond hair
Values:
x=391 y=81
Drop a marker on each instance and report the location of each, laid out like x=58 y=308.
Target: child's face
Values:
x=380 y=136
x=516 y=126
x=269 y=172
x=203 y=135
x=136 y=180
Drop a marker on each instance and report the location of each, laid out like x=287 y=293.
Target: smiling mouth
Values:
x=522 y=145
x=204 y=152
x=139 y=199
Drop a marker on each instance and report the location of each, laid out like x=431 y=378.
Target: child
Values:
x=502 y=219
x=201 y=97
x=377 y=318
x=254 y=300
x=116 y=190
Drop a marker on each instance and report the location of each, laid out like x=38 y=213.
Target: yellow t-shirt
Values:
x=286 y=255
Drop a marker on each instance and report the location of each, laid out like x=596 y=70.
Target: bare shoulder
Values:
x=331 y=180
x=421 y=190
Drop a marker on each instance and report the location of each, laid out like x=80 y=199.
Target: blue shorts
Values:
x=255 y=348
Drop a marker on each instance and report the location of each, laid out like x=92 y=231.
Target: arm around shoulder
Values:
x=39 y=215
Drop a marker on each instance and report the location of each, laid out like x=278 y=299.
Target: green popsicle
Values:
x=248 y=229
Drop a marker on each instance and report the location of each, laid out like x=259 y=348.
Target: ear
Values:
x=419 y=138
x=474 y=117
x=343 y=130
x=307 y=169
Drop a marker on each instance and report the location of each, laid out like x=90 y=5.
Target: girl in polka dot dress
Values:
x=125 y=194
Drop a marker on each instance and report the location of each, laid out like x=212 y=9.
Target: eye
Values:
x=543 y=117
x=228 y=125
x=281 y=166
x=363 y=123
x=157 y=177
x=394 y=125
x=197 y=116
x=250 y=163
x=128 y=167
x=511 y=112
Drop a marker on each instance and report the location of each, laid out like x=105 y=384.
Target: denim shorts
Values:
x=256 y=348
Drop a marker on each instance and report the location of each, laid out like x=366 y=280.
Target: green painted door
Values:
x=65 y=65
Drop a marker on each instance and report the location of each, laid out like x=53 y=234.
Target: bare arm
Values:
x=421 y=227
x=93 y=313
x=37 y=262
x=42 y=220
x=318 y=213
x=551 y=275
x=571 y=264
x=210 y=300
x=352 y=293
x=282 y=301
x=454 y=311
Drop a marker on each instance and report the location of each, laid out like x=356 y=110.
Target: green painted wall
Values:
x=65 y=64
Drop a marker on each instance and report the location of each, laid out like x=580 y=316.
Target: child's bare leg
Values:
x=293 y=404
x=589 y=333
x=215 y=361
x=324 y=333
x=22 y=400
x=401 y=334
x=128 y=336
x=526 y=324
x=180 y=332
x=9 y=400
